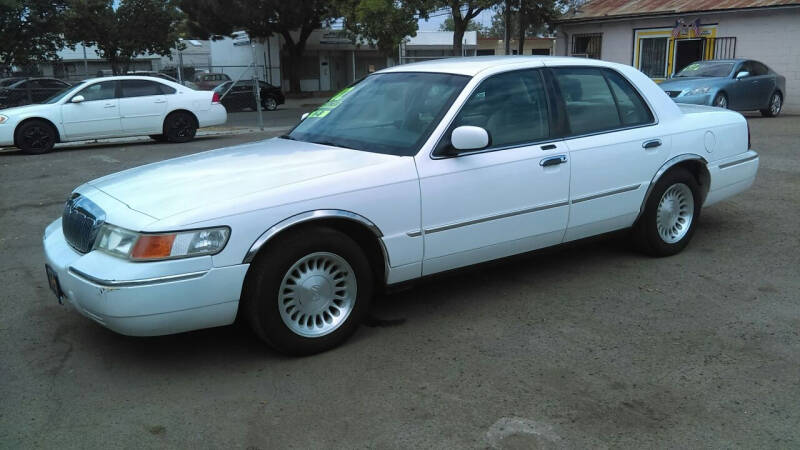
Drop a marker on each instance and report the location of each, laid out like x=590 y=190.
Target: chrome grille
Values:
x=81 y=221
x=673 y=94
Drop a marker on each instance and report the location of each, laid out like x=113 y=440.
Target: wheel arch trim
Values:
x=666 y=167
x=309 y=217
x=43 y=119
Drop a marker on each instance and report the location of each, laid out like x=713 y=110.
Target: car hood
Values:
x=679 y=84
x=20 y=110
x=222 y=176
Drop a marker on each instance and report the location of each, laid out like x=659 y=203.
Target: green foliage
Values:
x=135 y=27
x=384 y=23
x=448 y=25
x=31 y=30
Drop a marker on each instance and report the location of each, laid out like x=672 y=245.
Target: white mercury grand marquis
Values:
x=414 y=170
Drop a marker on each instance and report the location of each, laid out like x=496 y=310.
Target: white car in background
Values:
x=112 y=107
x=416 y=169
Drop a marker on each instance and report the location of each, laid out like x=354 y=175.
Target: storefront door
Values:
x=687 y=51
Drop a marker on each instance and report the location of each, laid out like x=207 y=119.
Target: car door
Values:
x=764 y=85
x=742 y=94
x=142 y=106
x=615 y=146
x=96 y=116
x=508 y=198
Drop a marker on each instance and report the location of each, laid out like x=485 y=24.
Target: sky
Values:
x=484 y=18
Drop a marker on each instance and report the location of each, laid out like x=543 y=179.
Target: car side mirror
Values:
x=741 y=75
x=77 y=99
x=303 y=117
x=467 y=137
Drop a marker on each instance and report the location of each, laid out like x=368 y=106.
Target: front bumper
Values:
x=703 y=99
x=136 y=300
x=7 y=134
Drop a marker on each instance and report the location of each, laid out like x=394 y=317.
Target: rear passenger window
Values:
x=632 y=109
x=140 y=88
x=594 y=104
x=512 y=107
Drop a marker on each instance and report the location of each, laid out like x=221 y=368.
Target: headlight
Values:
x=155 y=246
x=696 y=91
x=3 y=118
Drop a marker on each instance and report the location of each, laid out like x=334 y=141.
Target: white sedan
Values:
x=415 y=170
x=112 y=107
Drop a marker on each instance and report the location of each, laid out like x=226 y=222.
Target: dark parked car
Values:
x=739 y=84
x=241 y=96
x=208 y=81
x=25 y=91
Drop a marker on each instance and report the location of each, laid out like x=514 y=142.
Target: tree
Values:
x=292 y=20
x=133 y=28
x=31 y=30
x=384 y=23
x=448 y=25
x=532 y=17
x=462 y=13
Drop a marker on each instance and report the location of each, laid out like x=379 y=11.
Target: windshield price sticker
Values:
x=331 y=104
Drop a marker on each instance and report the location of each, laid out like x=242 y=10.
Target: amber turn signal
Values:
x=156 y=246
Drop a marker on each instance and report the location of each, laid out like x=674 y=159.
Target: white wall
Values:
x=234 y=59
x=771 y=36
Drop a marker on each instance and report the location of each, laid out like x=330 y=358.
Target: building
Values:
x=662 y=37
x=82 y=62
x=435 y=45
x=533 y=46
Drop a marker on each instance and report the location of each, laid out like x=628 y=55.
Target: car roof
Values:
x=133 y=77
x=472 y=65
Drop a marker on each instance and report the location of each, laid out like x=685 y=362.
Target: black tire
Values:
x=721 y=101
x=260 y=296
x=773 y=109
x=158 y=137
x=35 y=137
x=180 y=127
x=646 y=231
x=269 y=103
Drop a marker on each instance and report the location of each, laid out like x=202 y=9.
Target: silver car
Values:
x=739 y=84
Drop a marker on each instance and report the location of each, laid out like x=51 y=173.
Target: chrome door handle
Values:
x=651 y=144
x=549 y=147
x=553 y=161
x=110 y=106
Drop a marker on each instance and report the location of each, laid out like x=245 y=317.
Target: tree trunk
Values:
x=295 y=50
x=523 y=25
x=507 y=26
x=459 y=28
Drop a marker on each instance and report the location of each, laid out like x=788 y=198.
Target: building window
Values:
x=540 y=51
x=653 y=57
x=587 y=45
x=485 y=52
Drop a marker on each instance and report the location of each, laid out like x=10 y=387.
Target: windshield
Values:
x=61 y=94
x=384 y=113
x=707 y=69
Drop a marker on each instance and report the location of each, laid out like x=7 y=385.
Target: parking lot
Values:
x=587 y=345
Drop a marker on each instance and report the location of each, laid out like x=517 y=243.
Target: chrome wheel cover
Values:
x=675 y=213
x=270 y=104
x=775 y=104
x=721 y=102
x=317 y=294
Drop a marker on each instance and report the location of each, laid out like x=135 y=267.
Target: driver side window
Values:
x=511 y=107
x=104 y=90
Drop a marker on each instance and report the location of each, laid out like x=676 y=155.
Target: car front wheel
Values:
x=670 y=215
x=308 y=292
x=720 y=101
x=35 y=137
x=269 y=103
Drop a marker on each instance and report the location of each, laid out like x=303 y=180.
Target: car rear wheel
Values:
x=269 y=103
x=158 y=137
x=775 y=105
x=720 y=101
x=670 y=215
x=308 y=292
x=35 y=137
x=180 y=127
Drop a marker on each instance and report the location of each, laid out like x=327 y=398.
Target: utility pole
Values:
x=256 y=87
x=85 y=60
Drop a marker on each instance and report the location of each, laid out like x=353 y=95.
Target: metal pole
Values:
x=180 y=67
x=269 y=55
x=256 y=87
x=354 y=65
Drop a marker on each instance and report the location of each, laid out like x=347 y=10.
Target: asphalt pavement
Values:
x=589 y=345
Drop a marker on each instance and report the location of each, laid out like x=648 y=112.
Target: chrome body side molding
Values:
x=606 y=194
x=495 y=217
x=737 y=162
